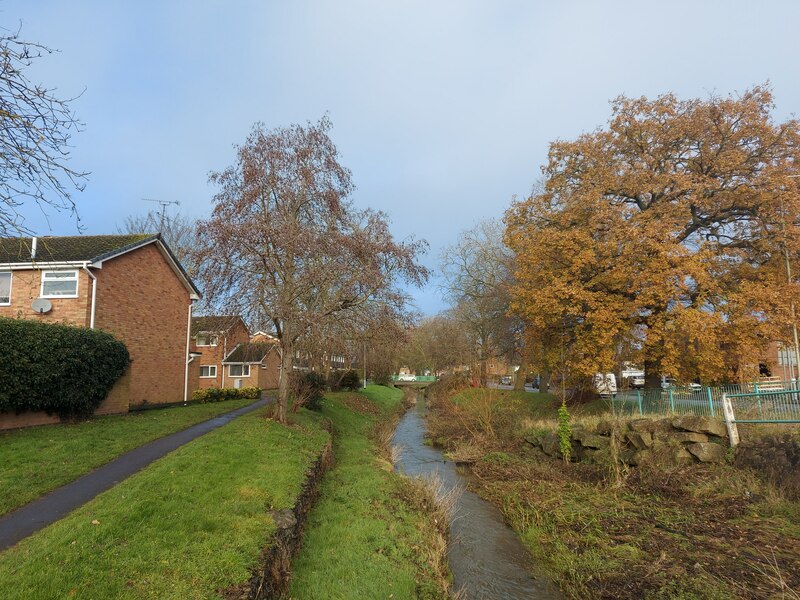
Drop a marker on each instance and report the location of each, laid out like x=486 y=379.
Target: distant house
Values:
x=254 y=364
x=129 y=285
x=213 y=338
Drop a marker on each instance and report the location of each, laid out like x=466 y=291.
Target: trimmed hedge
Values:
x=350 y=381
x=221 y=394
x=60 y=369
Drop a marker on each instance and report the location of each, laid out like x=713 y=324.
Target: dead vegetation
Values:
x=612 y=531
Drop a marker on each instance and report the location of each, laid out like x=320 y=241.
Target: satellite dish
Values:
x=42 y=305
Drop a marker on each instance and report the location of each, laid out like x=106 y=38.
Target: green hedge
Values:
x=220 y=394
x=59 y=369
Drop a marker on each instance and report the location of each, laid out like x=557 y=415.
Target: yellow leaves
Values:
x=664 y=234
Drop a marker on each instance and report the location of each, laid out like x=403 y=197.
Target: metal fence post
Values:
x=639 y=399
x=711 y=400
x=671 y=402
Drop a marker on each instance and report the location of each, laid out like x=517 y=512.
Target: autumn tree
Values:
x=438 y=344
x=285 y=246
x=36 y=127
x=664 y=232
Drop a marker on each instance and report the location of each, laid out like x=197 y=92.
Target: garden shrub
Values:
x=308 y=390
x=222 y=394
x=350 y=381
x=60 y=369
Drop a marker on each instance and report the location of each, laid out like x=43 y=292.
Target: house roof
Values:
x=253 y=352
x=89 y=248
x=215 y=323
x=85 y=249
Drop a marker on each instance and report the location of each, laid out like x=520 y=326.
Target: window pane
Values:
x=60 y=288
x=59 y=275
x=5 y=288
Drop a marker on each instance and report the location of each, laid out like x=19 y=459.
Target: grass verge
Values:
x=37 y=460
x=702 y=532
x=371 y=533
x=190 y=525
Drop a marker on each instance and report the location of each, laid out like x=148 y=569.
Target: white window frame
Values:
x=209 y=337
x=10 y=287
x=245 y=371
x=74 y=278
x=210 y=369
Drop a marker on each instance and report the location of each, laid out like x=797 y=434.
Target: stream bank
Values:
x=486 y=558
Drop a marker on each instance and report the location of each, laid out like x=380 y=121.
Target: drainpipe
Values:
x=94 y=290
x=224 y=354
x=186 y=369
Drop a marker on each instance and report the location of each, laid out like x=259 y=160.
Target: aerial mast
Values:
x=164 y=204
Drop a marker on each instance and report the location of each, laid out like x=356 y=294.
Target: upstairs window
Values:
x=239 y=370
x=208 y=371
x=206 y=339
x=5 y=288
x=59 y=284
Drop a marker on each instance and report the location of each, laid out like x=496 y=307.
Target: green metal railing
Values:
x=695 y=400
x=766 y=407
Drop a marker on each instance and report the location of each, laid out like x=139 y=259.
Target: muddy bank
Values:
x=271 y=579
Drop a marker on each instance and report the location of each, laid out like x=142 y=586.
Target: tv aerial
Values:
x=164 y=204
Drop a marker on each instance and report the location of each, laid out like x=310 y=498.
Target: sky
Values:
x=442 y=109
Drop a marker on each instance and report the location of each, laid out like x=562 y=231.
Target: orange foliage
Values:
x=664 y=232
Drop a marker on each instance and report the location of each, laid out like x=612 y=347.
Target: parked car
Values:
x=506 y=380
x=406 y=377
x=637 y=381
x=605 y=384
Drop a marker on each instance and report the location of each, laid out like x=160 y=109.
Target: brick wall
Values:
x=213 y=355
x=142 y=302
x=269 y=378
x=26 y=287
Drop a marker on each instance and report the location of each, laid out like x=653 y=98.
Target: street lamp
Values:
x=789 y=278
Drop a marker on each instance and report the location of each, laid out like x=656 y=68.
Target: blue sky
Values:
x=442 y=109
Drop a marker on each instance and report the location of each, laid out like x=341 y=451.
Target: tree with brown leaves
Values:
x=286 y=248
x=665 y=232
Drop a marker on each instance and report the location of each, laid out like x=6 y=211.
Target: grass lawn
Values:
x=36 y=460
x=532 y=405
x=189 y=525
x=364 y=539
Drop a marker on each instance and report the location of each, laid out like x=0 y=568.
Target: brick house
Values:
x=129 y=285
x=253 y=364
x=213 y=338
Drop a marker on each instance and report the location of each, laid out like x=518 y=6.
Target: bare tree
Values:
x=179 y=231
x=477 y=273
x=35 y=131
x=285 y=246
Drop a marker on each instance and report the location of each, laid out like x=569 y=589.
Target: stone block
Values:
x=688 y=437
x=592 y=440
x=641 y=425
x=640 y=440
x=707 y=452
x=604 y=428
x=551 y=445
x=700 y=425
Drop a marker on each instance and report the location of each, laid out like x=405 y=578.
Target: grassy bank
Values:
x=36 y=460
x=188 y=526
x=695 y=532
x=368 y=537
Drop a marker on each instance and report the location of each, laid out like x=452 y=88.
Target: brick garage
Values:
x=141 y=295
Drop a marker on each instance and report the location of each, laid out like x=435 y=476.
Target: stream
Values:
x=486 y=558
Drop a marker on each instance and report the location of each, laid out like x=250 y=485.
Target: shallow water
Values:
x=486 y=558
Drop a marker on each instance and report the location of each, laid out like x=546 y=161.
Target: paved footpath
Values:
x=40 y=513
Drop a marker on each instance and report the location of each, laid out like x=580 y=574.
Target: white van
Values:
x=605 y=384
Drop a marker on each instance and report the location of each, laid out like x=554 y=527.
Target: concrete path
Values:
x=40 y=513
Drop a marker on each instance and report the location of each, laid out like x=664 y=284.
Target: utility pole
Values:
x=164 y=204
x=365 y=364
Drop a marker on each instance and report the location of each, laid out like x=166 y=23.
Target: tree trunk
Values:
x=522 y=373
x=652 y=375
x=544 y=381
x=284 y=388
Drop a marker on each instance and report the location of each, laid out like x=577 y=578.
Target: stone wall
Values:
x=776 y=457
x=667 y=441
